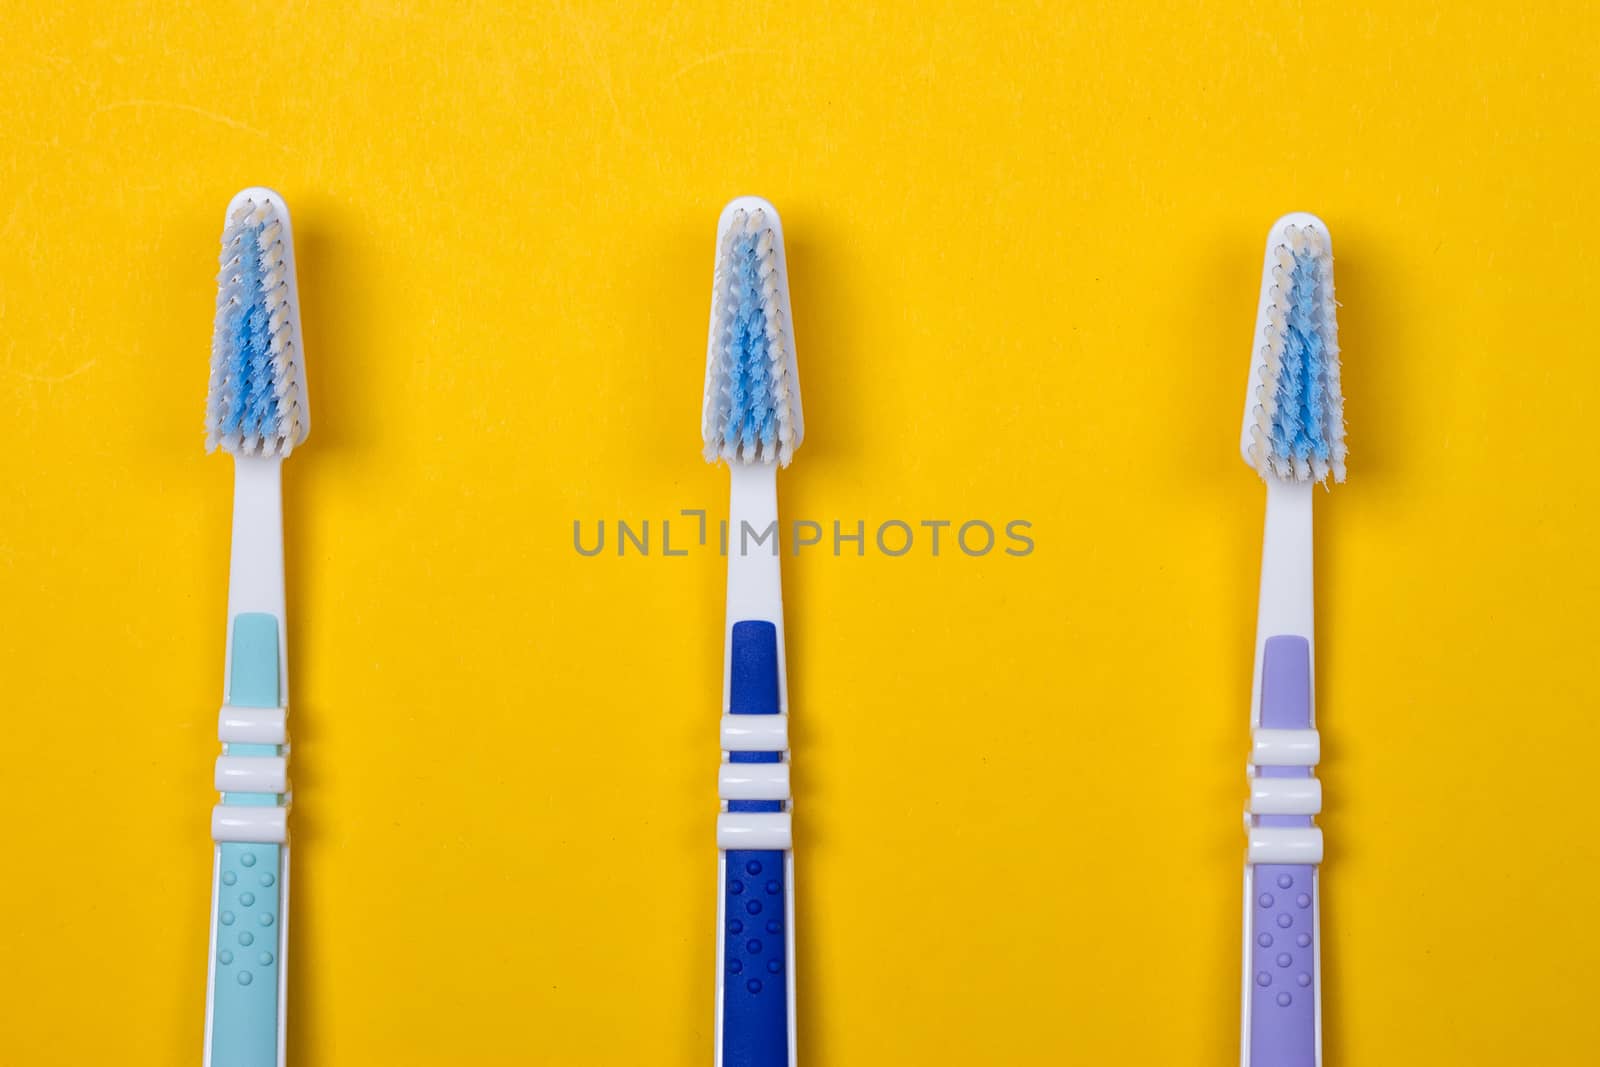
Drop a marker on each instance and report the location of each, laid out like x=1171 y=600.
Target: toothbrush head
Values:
x=257 y=404
x=752 y=402
x=1293 y=410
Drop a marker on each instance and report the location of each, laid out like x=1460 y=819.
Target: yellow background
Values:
x=1024 y=249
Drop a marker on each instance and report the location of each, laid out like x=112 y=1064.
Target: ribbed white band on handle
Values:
x=753 y=781
x=253 y=726
x=755 y=733
x=1285 y=844
x=1285 y=748
x=252 y=774
x=241 y=822
x=1285 y=796
x=754 y=829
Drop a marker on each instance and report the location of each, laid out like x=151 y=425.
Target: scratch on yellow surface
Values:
x=174 y=105
x=715 y=56
x=57 y=379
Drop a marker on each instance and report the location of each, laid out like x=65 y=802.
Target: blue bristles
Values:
x=751 y=412
x=751 y=417
x=252 y=409
x=256 y=404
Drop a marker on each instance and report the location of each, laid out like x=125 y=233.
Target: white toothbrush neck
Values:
x=755 y=589
x=1286 y=573
x=255 y=568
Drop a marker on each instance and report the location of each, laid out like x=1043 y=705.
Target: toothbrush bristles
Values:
x=1297 y=429
x=751 y=409
x=255 y=405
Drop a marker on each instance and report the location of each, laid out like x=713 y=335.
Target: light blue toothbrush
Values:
x=751 y=420
x=257 y=410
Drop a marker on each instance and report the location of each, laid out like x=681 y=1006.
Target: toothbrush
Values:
x=752 y=420
x=1293 y=436
x=257 y=410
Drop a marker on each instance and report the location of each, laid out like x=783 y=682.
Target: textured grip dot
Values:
x=244 y=1024
x=755 y=1004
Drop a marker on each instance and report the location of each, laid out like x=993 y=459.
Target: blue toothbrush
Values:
x=752 y=421
x=256 y=410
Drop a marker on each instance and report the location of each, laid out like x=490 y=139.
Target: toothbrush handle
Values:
x=755 y=988
x=1284 y=970
x=250 y=876
x=1283 y=947
x=755 y=983
x=247 y=954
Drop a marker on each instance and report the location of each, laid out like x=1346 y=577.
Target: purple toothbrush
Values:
x=1294 y=437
